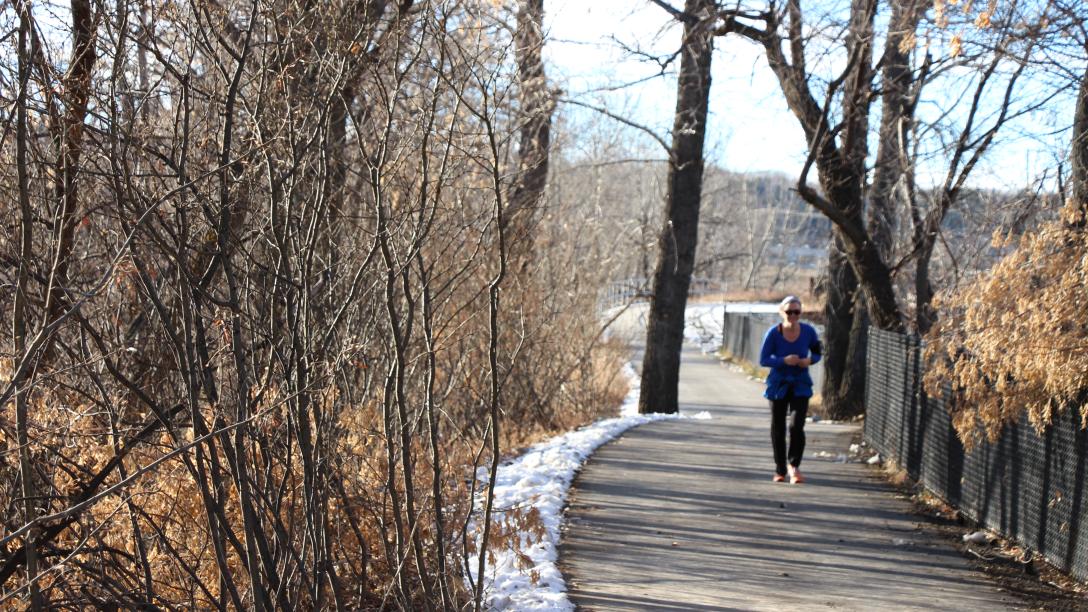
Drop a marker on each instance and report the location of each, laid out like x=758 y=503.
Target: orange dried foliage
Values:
x=1014 y=341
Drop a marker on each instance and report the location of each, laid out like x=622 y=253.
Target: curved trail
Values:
x=682 y=515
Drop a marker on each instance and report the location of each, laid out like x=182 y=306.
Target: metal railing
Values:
x=629 y=290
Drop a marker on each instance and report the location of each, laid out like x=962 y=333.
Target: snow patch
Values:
x=538 y=481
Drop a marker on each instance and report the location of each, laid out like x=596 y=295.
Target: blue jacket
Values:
x=784 y=378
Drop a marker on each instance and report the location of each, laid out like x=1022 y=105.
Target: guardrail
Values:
x=618 y=293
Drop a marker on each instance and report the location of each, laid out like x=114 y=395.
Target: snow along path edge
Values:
x=528 y=579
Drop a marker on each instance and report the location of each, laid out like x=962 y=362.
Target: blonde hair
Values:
x=786 y=301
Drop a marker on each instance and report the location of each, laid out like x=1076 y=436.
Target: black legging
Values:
x=799 y=407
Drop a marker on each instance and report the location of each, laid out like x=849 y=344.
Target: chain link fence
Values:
x=1027 y=486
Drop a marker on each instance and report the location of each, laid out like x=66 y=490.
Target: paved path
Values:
x=682 y=515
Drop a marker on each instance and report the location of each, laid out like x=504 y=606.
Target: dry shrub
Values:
x=163 y=510
x=284 y=304
x=563 y=375
x=153 y=539
x=1013 y=341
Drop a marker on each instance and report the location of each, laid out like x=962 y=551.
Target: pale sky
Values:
x=750 y=128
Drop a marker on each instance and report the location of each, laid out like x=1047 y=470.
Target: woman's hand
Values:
x=794 y=360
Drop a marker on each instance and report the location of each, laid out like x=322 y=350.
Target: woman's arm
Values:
x=767 y=356
x=815 y=349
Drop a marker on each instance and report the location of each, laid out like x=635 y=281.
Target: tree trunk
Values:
x=69 y=136
x=537 y=105
x=892 y=176
x=924 y=313
x=20 y=314
x=1079 y=154
x=845 y=336
x=677 y=241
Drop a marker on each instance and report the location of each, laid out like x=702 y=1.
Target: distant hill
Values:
x=757 y=234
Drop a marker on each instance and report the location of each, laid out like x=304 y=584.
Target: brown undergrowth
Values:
x=150 y=530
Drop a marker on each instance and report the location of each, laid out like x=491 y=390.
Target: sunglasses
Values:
x=793 y=312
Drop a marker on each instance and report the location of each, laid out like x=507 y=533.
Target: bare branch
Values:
x=624 y=120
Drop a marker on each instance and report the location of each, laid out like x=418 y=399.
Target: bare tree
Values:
x=678 y=237
x=836 y=125
x=255 y=265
